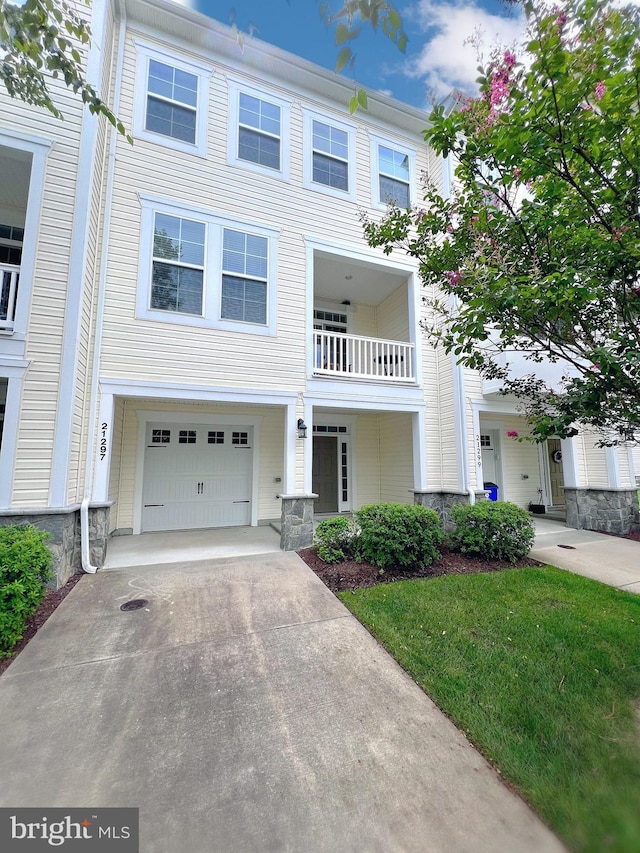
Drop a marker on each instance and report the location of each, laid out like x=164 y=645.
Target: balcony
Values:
x=357 y=357
x=9 y=276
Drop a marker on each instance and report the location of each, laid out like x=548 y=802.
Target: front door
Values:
x=325 y=473
x=556 y=475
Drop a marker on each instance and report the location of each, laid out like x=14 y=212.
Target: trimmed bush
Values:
x=400 y=535
x=492 y=531
x=24 y=572
x=337 y=539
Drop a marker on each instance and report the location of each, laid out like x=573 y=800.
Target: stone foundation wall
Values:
x=443 y=502
x=296 y=529
x=610 y=510
x=63 y=527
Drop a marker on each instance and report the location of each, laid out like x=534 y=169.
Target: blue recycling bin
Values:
x=493 y=491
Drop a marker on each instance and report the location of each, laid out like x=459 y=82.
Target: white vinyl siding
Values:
x=396 y=457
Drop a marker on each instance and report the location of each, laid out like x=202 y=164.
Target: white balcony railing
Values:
x=9 y=276
x=352 y=356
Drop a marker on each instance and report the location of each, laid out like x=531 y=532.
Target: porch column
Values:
x=420 y=479
x=102 y=449
x=570 y=473
x=613 y=467
x=290 y=445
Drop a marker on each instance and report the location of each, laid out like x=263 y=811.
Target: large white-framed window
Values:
x=393 y=173
x=199 y=268
x=258 y=130
x=329 y=155
x=171 y=100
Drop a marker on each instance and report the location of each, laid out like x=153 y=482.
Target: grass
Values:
x=541 y=669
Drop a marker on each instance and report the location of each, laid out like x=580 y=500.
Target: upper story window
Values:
x=171 y=100
x=201 y=269
x=394 y=169
x=329 y=155
x=258 y=130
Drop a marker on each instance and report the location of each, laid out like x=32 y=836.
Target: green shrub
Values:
x=399 y=535
x=24 y=572
x=338 y=539
x=492 y=531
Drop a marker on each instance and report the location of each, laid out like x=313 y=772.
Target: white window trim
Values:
x=309 y=116
x=146 y=52
x=237 y=87
x=211 y=317
x=410 y=153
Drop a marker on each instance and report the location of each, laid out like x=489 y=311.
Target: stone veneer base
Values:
x=63 y=527
x=610 y=510
x=296 y=530
x=443 y=502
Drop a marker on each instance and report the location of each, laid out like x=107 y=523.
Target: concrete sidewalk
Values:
x=608 y=559
x=243 y=710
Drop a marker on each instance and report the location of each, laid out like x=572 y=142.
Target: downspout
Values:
x=87 y=565
x=458 y=374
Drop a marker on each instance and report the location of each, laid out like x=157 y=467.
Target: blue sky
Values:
x=436 y=59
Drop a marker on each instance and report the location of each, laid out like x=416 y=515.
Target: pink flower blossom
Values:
x=599 y=90
x=454 y=277
x=587 y=107
x=512 y=433
x=509 y=59
x=561 y=20
x=517 y=172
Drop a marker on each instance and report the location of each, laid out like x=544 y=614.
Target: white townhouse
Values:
x=193 y=331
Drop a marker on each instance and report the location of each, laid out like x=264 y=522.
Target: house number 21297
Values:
x=104 y=426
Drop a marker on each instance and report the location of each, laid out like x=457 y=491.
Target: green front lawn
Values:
x=541 y=669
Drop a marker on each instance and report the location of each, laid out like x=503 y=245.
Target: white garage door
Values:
x=196 y=476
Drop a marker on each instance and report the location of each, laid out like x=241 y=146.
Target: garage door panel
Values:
x=199 y=482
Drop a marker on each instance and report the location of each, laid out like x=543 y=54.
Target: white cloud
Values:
x=445 y=62
x=190 y=4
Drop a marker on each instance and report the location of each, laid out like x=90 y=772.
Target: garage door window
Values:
x=187 y=436
x=240 y=438
x=215 y=438
x=160 y=436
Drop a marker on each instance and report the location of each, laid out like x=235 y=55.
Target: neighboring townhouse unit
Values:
x=178 y=313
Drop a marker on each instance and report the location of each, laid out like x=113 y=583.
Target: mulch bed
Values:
x=345 y=576
x=51 y=600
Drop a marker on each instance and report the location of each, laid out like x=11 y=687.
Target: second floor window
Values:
x=244 y=277
x=178 y=265
x=198 y=268
x=259 y=131
x=172 y=97
x=330 y=156
x=393 y=167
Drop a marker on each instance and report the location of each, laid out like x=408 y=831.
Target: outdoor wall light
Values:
x=302 y=428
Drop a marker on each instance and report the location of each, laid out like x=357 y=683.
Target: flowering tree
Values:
x=537 y=249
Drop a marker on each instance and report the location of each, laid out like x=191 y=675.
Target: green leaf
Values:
x=344 y=57
x=363 y=101
x=342 y=33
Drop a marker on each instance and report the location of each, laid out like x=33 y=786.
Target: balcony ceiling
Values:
x=15 y=168
x=368 y=284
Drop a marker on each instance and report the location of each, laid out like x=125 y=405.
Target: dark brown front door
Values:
x=325 y=473
x=556 y=475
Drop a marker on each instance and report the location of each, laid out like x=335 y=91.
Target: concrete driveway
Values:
x=243 y=709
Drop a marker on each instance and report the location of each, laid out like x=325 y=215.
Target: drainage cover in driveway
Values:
x=134 y=604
